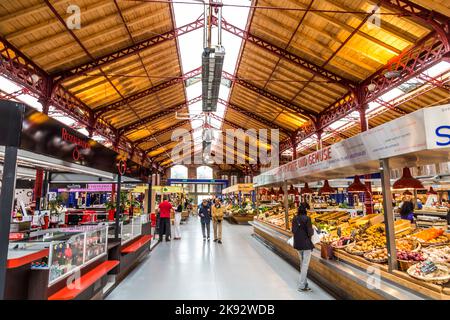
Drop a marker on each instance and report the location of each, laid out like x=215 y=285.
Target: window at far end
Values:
x=179 y=172
x=204 y=172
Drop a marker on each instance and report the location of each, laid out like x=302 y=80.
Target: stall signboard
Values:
x=46 y=136
x=425 y=129
x=245 y=188
x=99 y=187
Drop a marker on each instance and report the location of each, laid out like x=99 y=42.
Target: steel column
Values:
x=6 y=208
x=118 y=209
x=286 y=204
x=388 y=214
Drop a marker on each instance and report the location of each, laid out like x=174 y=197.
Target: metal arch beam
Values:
x=18 y=68
x=137 y=96
x=155 y=116
x=254 y=116
x=280 y=52
x=126 y=52
x=271 y=96
x=427 y=52
x=161 y=132
x=439 y=22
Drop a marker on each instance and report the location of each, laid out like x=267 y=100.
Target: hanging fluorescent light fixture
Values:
x=212 y=59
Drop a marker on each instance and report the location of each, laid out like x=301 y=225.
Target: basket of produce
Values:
x=438 y=273
x=406 y=259
x=439 y=254
x=431 y=236
x=407 y=244
x=439 y=241
x=377 y=256
x=342 y=243
x=360 y=248
x=328 y=239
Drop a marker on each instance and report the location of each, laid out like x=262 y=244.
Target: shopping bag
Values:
x=291 y=241
x=315 y=239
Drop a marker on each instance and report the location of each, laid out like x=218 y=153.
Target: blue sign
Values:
x=444 y=133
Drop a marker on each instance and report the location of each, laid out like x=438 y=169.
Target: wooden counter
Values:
x=350 y=276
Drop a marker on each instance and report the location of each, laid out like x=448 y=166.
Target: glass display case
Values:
x=131 y=230
x=85 y=245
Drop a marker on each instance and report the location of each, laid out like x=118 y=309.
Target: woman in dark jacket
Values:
x=407 y=211
x=204 y=211
x=303 y=231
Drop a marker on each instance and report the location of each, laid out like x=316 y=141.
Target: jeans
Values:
x=206 y=226
x=305 y=257
x=164 y=228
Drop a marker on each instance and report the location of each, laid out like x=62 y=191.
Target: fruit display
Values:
x=342 y=242
x=439 y=254
x=407 y=244
x=428 y=234
x=429 y=271
x=410 y=256
x=377 y=256
x=333 y=217
x=437 y=241
x=328 y=239
x=360 y=248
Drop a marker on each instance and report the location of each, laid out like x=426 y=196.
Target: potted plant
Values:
x=111 y=209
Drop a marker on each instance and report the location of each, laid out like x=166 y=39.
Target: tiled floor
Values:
x=240 y=268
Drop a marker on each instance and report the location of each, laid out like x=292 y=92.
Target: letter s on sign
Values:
x=443 y=132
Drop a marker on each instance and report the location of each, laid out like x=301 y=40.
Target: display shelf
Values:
x=137 y=244
x=347 y=274
x=87 y=280
x=20 y=258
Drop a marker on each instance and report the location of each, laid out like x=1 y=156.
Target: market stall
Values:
x=241 y=203
x=410 y=261
x=95 y=242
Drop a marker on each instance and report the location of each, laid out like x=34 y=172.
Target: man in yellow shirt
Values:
x=217 y=217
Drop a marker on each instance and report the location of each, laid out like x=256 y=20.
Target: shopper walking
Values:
x=177 y=221
x=217 y=217
x=303 y=231
x=165 y=208
x=204 y=211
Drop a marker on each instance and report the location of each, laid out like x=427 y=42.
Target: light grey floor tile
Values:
x=241 y=268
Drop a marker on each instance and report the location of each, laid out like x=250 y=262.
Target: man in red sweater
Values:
x=165 y=208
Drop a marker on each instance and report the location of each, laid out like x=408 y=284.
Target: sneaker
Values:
x=204 y=239
x=305 y=289
x=215 y=240
x=220 y=241
x=209 y=239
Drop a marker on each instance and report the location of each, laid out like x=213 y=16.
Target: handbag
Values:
x=290 y=241
x=315 y=239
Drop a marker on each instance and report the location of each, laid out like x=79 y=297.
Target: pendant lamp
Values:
x=357 y=186
x=292 y=190
x=281 y=192
x=306 y=189
x=407 y=181
x=271 y=192
x=431 y=191
x=326 y=189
